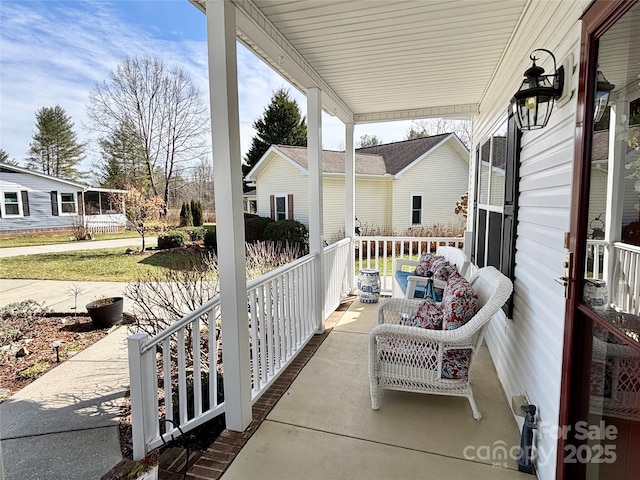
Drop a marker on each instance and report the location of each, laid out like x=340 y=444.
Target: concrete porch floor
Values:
x=323 y=427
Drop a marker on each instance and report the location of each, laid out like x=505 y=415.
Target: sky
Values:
x=54 y=52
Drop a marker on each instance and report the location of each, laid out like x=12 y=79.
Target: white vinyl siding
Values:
x=373 y=204
x=527 y=351
x=442 y=177
x=279 y=173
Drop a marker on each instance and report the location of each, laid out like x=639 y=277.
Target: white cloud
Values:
x=53 y=53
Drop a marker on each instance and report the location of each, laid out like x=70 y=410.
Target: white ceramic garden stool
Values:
x=369 y=285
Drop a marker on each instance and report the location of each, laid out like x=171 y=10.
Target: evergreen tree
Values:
x=368 y=141
x=123 y=162
x=4 y=158
x=186 y=218
x=55 y=149
x=196 y=212
x=280 y=124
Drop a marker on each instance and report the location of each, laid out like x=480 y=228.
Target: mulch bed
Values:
x=32 y=354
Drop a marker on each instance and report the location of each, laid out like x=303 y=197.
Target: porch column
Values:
x=615 y=190
x=314 y=161
x=225 y=132
x=350 y=201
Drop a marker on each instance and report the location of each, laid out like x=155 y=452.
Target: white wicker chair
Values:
x=406 y=367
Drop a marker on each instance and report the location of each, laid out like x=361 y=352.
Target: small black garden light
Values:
x=533 y=102
x=56 y=346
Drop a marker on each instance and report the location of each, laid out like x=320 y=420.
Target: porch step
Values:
x=171 y=465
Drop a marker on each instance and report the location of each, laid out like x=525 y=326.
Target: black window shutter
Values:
x=511 y=181
x=272 y=206
x=54 y=203
x=25 y=203
x=80 y=199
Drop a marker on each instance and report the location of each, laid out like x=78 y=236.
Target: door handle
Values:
x=564 y=281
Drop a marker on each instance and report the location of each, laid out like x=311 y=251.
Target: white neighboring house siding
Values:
x=373 y=203
x=527 y=350
x=280 y=177
x=39 y=191
x=442 y=177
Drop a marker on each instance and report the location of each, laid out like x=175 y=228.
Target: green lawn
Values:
x=108 y=265
x=31 y=240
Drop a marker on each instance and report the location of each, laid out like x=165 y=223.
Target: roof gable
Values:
x=380 y=160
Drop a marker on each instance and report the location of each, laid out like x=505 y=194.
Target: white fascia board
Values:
x=262 y=163
x=460 y=112
x=258 y=34
x=433 y=149
x=42 y=175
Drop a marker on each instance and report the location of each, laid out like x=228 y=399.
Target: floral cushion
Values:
x=442 y=269
x=455 y=363
x=428 y=315
x=459 y=301
x=424 y=264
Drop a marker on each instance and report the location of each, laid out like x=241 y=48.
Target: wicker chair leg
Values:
x=474 y=407
x=374 y=399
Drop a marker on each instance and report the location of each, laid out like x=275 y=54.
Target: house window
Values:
x=281 y=206
x=497 y=160
x=416 y=209
x=11 y=204
x=67 y=203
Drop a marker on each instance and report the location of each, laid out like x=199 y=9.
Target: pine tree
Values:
x=54 y=149
x=280 y=124
x=123 y=161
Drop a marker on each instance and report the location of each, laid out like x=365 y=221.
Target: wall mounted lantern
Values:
x=533 y=102
x=603 y=89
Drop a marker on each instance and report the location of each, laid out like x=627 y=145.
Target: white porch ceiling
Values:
x=379 y=60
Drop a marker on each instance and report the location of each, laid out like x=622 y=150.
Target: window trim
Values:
x=285 y=197
x=61 y=212
x=411 y=209
x=3 y=204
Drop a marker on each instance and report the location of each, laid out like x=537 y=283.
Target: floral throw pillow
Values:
x=428 y=315
x=459 y=302
x=424 y=264
x=443 y=270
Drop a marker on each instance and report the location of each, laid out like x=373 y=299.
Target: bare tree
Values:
x=436 y=126
x=140 y=209
x=163 y=109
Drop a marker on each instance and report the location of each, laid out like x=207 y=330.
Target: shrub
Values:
x=172 y=239
x=186 y=217
x=211 y=238
x=291 y=231
x=196 y=213
x=196 y=233
x=254 y=228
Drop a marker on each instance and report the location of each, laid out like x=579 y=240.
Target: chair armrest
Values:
x=401 y=262
x=393 y=310
x=414 y=280
x=447 y=337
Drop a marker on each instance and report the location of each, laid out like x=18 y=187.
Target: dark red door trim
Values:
x=596 y=20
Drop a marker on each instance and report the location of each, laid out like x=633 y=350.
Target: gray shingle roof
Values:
x=387 y=159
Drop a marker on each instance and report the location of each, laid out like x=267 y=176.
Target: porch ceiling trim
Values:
x=455 y=111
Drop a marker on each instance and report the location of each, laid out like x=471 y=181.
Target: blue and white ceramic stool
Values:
x=369 y=285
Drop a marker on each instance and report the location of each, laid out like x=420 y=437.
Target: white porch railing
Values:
x=595 y=258
x=281 y=320
x=380 y=253
x=336 y=260
x=105 y=223
x=626 y=275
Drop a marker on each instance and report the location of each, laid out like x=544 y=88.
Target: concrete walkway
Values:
x=65 y=424
x=68 y=247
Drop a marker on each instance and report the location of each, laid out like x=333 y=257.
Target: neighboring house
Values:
x=32 y=201
x=398 y=185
